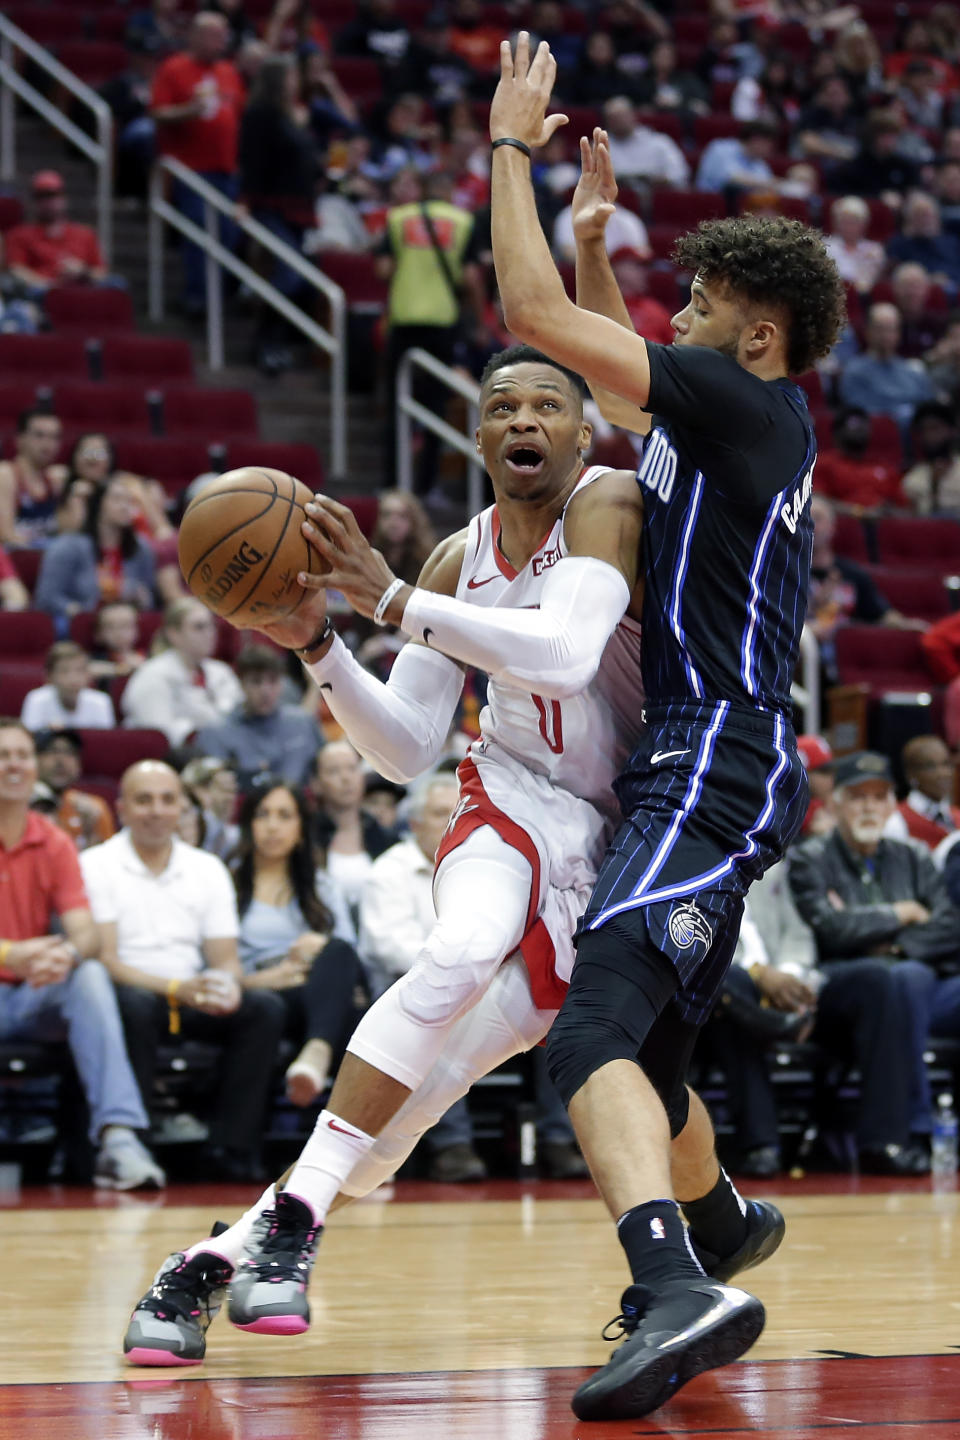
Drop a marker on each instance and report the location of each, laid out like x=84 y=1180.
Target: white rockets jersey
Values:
x=580 y=743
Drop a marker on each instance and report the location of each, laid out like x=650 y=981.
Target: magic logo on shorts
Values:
x=688 y=926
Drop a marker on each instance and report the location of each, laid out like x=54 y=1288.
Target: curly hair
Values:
x=770 y=260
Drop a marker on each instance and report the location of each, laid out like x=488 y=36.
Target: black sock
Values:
x=655 y=1240
x=718 y=1220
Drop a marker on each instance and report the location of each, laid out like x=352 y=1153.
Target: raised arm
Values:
x=536 y=307
x=597 y=288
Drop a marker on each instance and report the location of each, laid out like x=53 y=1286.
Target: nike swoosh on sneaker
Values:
x=730 y=1301
x=476 y=584
x=666 y=755
x=426 y=635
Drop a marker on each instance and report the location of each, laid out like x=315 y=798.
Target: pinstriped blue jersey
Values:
x=726 y=474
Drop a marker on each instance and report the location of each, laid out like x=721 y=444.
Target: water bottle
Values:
x=943 y=1151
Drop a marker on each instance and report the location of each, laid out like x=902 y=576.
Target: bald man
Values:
x=928 y=814
x=167 y=918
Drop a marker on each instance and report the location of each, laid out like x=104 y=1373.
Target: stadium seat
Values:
x=360 y=77
x=11 y=212
x=365 y=509
x=107 y=753
x=25 y=632
x=883 y=220
x=885 y=446
x=82 y=627
x=111 y=24
x=87 y=310
x=103 y=405
x=173 y=462
x=715 y=127
x=48 y=24
x=686 y=207
x=299 y=460
x=14 y=397
x=916 y=593
x=213 y=413
x=93 y=61
x=27 y=565
x=921 y=542
x=885 y=659
x=146 y=356
x=356 y=275
x=664 y=237
x=47 y=357
x=17 y=678
x=850 y=538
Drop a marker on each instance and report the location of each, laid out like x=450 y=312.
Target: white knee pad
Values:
x=503 y=1023
x=482 y=893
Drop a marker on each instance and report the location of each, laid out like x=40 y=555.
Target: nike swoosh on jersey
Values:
x=342 y=1130
x=666 y=755
x=476 y=584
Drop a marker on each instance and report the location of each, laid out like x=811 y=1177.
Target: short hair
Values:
x=414 y=804
x=63 y=650
x=34 y=412
x=527 y=355
x=13 y=722
x=771 y=260
x=259 y=660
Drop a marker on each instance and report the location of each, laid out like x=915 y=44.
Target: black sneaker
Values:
x=268 y=1293
x=765 y=1230
x=690 y=1327
x=169 y=1325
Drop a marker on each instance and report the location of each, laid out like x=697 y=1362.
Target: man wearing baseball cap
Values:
x=53 y=250
x=883 y=923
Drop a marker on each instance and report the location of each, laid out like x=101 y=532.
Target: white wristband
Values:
x=388 y=594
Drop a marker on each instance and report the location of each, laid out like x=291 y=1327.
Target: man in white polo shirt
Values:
x=167 y=917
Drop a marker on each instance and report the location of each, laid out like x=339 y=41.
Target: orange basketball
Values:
x=241 y=549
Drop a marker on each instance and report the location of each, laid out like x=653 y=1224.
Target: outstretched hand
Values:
x=358 y=571
x=519 y=107
x=593 y=199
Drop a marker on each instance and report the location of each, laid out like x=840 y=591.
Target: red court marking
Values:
x=908 y=1398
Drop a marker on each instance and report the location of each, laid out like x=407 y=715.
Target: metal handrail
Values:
x=409 y=410
x=100 y=150
x=219 y=258
x=805 y=693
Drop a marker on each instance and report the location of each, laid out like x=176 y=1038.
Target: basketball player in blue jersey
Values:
x=715 y=791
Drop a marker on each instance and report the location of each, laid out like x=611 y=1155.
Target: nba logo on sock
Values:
x=656 y=1229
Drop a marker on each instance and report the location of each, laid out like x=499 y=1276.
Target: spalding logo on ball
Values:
x=241 y=549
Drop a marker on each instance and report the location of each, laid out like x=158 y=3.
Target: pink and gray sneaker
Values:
x=170 y=1323
x=268 y=1293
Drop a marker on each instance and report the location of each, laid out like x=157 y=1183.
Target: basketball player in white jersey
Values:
x=541 y=591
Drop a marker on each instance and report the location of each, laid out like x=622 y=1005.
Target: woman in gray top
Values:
x=296 y=934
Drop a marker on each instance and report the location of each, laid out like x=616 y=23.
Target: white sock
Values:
x=229 y=1245
x=326 y=1161
x=116 y=1135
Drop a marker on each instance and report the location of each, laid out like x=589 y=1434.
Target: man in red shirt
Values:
x=196 y=102
x=47 y=983
x=650 y=318
x=53 y=250
x=848 y=477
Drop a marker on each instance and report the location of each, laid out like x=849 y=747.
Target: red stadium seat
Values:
x=112 y=25
x=11 y=212
x=850 y=538
x=883 y=220
x=82 y=627
x=101 y=404
x=25 y=632
x=356 y=274
x=665 y=286
x=107 y=753
x=715 y=127
x=27 y=565
x=93 y=61
x=359 y=76
x=881 y=657
x=87 y=310
x=146 y=356
x=48 y=357
x=692 y=29
x=213 y=413
x=916 y=593
x=17 y=679
x=173 y=462
x=48 y=24
x=929 y=544
x=365 y=509
x=299 y=460
x=686 y=207
x=15 y=397
x=664 y=237
x=885 y=446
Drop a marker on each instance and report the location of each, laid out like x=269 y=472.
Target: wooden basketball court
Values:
x=471 y=1313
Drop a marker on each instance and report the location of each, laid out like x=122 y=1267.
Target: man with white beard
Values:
x=882 y=921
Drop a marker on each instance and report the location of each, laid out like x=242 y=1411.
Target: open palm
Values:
x=593 y=199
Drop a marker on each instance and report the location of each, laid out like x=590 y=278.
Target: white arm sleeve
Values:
x=553 y=651
x=399 y=727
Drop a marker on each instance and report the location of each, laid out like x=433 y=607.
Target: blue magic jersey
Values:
x=726 y=476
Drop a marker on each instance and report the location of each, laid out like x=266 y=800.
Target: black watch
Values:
x=322 y=636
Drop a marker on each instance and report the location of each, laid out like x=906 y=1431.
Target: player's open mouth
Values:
x=525 y=459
